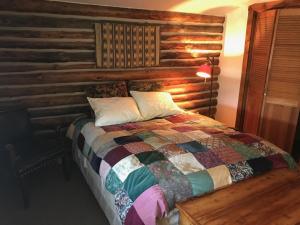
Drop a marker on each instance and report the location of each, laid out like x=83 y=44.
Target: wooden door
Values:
x=258 y=67
x=282 y=91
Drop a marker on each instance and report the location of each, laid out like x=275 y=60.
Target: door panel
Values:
x=261 y=48
x=282 y=101
x=279 y=122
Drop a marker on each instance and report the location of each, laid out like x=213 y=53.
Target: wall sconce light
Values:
x=206 y=71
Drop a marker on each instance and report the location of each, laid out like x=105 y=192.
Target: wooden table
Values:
x=273 y=198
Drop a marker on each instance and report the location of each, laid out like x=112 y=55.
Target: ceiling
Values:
x=210 y=7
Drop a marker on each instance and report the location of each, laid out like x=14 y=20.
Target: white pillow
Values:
x=155 y=104
x=116 y=110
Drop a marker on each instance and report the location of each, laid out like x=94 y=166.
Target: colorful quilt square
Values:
x=138 y=181
x=95 y=162
x=105 y=148
x=228 y=155
x=220 y=176
x=274 y=148
x=116 y=154
x=264 y=150
x=137 y=147
x=133 y=217
x=240 y=171
x=150 y=205
x=174 y=184
x=177 y=118
x=102 y=143
x=149 y=157
x=145 y=134
x=123 y=203
x=111 y=128
x=156 y=142
x=178 y=138
x=260 y=165
x=184 y=128
x=186 y=163
x=211 y=130
x=201 y=182
x=290 y=161
x=245 y=138
x=90 y=132
x=165 y=132
x=112 y=182
x=127 y=165
x=129 y=126
x=87 y=150
x=155 y=124
x=192 y=146
x=208 y=159
x=278 y=161
x=171 y=150
x=80 y=141
x=104 y=170
x=127 y=139
x=197 y=135
x=212 y=142
x=245 y=151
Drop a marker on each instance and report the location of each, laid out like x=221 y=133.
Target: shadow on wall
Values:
x=231 y=61
x=229 y=80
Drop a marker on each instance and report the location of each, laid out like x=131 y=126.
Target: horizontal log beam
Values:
x=186 y=46
x=12 y=19
x=31 y=32
x=29 y=90
x=181 y=92
x=196 y=103
x=188 y=29
x=19 y=55
x=45 y=43
x=187 y=88
x=32 y=66
x=54 y=88
x=54 y=121
x=169 y=81
x=59 y=110
x=186 y=55
x=25 y=20
x=185 y=62
x=183 y=37
x=193 y=96
x=97 y=75
x=103 y=11
x=204 y=110
x=45 y=100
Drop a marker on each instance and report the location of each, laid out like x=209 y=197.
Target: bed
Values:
x=138 y=171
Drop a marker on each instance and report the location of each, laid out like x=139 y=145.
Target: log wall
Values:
x=47 y=56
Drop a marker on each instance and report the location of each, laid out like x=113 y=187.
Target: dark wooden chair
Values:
x=27 y=153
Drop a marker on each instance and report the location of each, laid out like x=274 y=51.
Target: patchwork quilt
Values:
x=149 y=166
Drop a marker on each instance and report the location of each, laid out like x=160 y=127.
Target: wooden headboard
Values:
x=48 y=56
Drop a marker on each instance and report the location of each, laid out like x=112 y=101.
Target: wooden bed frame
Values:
x=272 y=198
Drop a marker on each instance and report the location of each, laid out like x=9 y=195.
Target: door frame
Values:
x=253 y=11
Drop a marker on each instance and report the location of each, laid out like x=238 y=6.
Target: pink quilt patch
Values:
x=151 y=204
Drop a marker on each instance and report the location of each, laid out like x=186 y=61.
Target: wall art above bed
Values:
x=126 y=45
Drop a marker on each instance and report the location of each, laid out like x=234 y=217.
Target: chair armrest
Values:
x=59 y=132
x=61 y=137
x=13 y=156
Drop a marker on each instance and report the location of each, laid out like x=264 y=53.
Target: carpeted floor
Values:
x=53 y=201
